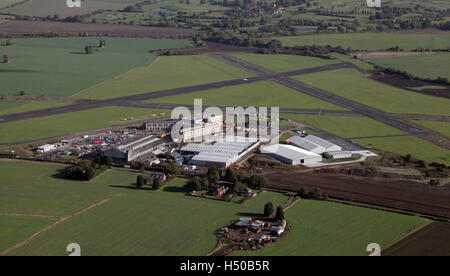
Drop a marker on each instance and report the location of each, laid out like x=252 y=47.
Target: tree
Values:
x=90 y=173
x=194 y=184
x=5 y=58
x=88 y=50
x=230 y=175
x=156 y=184
x=258 y=181
x=104 y=160
x=268 y=209
x=140 y=181
x=22 y=93
x=238 y=187
x=213 y=175
x=280 y=213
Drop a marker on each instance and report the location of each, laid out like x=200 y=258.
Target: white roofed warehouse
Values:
x=291 y=155
x=314 y=144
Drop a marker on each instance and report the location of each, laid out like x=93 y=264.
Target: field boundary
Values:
x=407 y=234
x=56 y=223
x=29 y=215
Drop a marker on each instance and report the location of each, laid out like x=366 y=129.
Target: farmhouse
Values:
x=291 y=155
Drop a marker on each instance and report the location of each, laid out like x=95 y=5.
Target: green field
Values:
x=6 y=104
x=56 y=125
x=136 y=222
x=8 y=3
x=353 y=85
x=361 y=64
x=30 y=106
x=372 y=41
x=324 y=228
x=165 y=73
x=418 y=148
x=283 y=63
x=37 y=189
x=52 y=7
x=16 y=229
x=346 y=127
x=423 y=66
x=266 y=93
x=58 y=66
x=440 y=127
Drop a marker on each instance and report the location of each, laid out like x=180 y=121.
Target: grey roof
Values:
x=289 y=152
x=304 y=143
x=319 y=141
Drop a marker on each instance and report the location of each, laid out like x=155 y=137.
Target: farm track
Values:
x=55 y=224
x=383 y=117
x=28 y=215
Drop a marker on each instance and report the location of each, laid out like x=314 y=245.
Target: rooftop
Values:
x=288 y=151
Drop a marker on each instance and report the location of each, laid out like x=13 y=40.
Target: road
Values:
x=395 y=121
x=380 y=116
x=91 y=104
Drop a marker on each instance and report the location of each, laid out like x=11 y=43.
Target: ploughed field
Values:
x=394 y=193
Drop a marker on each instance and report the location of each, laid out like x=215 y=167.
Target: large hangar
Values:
x=314 y=144
x=291 y=155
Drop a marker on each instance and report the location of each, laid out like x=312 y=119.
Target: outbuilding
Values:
x=338 y=154
x=291 y=155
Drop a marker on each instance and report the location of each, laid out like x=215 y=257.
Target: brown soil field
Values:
x=432 y=240
x=22 y=28
x=390 y=54
x=406 y=84
x=395 y=193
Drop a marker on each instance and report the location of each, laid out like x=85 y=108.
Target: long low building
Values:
x=314 y=144
x=135 y=148
x=291 y=155
x=222 y=153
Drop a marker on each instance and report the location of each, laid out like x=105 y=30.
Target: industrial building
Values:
x=305 y=144
x=159 y=125
x=291 y=155
x=200 y=127
x=46 y=148
x=338 y=154
x=314 y=144
x=221 y=153
x=134 y=149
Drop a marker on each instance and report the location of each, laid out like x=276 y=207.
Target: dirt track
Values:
x=395 y=193
x=20 y=28
x=432 y=240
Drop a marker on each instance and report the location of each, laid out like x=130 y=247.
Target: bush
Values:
x=140 y=181
x=258 y=181
x=156 y=184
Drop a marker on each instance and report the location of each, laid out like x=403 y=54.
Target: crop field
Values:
x=56 y=125
x=424 y=66
x=418 y=148
x=51 y=7
x=372 y=41
x=58 y=66
x=266 y=93
x=29 y=106
x=324 y=228
x=351 y=84
x=440 y=127
x=162 y=222
x=14 y=229
x=346 y=127
x=283 y=63
x=38 y=189
x=165 y=73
